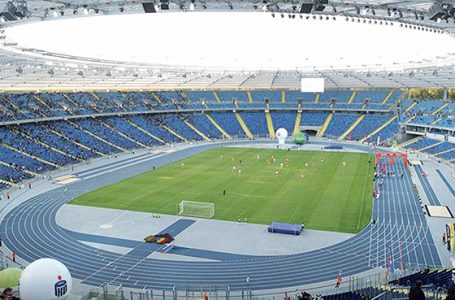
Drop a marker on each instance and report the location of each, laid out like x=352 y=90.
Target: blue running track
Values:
x=432 y=199
x=30 y=229
x=446 y=182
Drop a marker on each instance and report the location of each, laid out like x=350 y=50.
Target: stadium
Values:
x=243 y=149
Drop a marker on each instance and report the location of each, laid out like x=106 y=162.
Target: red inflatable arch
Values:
x=391 y=156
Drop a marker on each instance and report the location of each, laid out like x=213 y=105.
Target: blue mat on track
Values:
x=178 y=227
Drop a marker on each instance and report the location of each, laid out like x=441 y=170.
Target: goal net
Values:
x=197 y=209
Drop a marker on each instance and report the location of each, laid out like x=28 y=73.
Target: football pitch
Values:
x=324 y=190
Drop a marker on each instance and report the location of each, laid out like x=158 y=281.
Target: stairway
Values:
x=96 y=136
x=220 y=129
x=11 y=102
x=196 y=130
x=122 y=134
x=244 y=127
x=250 y=97
x=22 y=169
x=71 y=100
x=39 y=142
x=410 y=107
x=216 y=97
x=445 y=151
x=430 y=146
x=283 y=97
x=175 y=133
x=436 y=121
x=354 y=125
x=379 y=129
x=157 y=99
x=409 y=142
x=146 y=132
x=269 y=120
x=439 y=109
x=97 y=97
x=41 y=100
x=185 y=97
x=30 y=155
x=298 y=118
x=325 y=125
x=316 y=99
x=74 y=142
x=351 y=99
x=389 y=95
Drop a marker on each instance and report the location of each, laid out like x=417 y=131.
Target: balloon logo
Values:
x=45 y=279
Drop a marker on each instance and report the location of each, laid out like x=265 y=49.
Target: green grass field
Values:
x=329 y=196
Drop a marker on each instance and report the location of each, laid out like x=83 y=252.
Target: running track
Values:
x=30 y=229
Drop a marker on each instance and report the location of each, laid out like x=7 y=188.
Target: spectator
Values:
x=8 y=294
x=306 y=296
x=338 y=281
x=416 y=292
x=450 y=293
x=286 y=296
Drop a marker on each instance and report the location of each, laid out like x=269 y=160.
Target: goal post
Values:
x=197 y=209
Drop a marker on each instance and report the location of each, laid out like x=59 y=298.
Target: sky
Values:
x=235 y=41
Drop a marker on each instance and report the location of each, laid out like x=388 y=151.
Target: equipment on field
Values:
x=285 y=228
x=333 y=147
x=197 y=209
x=161 y=239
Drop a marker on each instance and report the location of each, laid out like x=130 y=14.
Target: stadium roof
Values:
x=38 y=68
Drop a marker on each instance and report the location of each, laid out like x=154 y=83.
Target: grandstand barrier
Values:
x=285 y=228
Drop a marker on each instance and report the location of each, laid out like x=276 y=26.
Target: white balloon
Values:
x=45 y=279
x=281 y=134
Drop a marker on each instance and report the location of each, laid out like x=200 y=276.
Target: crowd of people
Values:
x=8 y=294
